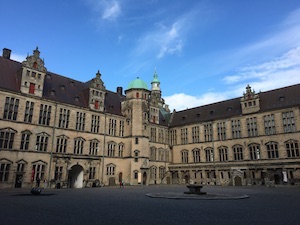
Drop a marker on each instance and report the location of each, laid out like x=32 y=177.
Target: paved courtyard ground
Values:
x=131 y=206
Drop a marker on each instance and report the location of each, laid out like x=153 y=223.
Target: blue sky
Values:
x=203 y=51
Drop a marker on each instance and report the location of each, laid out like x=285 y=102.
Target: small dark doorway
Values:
x=120 y=177
x=277 y=179
x=111 y=181
x=237 y=181
x=18 y=183
x=144 y=178
x=187 y=179
x=168 y=180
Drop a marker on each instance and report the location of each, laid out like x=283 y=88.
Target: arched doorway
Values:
x=111 y=181
x=75 y=177
x=237 y=181
x=187 y=179
x=144 y=178
x=277 y=179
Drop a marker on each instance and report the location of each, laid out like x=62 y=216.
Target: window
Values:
x=272 y=149
x=21 y=167
x=153 y=134
x=41 y=142
x=28 y=112
x=94 y=147
x=153 y=153
x=153 y=173
x=58 y=173
x=92 y=172
x=208 y=132
x=292 y=149
x=185 y=156
x=223 y=154
x=288 y=122
x=31 y=88
x=11 y=108
x=110 y=169
x=209 y=155
x=121 y=149
x=173 y=137
x=111 y=147
x=161 y=154
x=25 y=140
x=136 y=140
x=184 y=136
x=121 y=128
x=221 y=131
x=96 y=104
x=64 y=116
x=136 y=155
x=4 y=171
x=80 y=121
x=78 y=146
x=38 y=170
x=238 y=152
x=236 y=129
x=7 y=138
x=45 y=114
x=252 y=127
x=167 y=152
x=196 y=134
x=61 y=144
x=269 y=124
x=254 y=150
x=135 y=174
x=196 y=155
x=112 y=127
x=160 y=135
x=95 y=124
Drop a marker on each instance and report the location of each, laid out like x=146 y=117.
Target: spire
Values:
x=155 y=78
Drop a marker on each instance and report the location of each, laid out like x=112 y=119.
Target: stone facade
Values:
x=74 y=134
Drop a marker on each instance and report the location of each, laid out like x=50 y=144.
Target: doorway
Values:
x=144 y=178
x=18 y=182
x=75 y=177
x=237 y=181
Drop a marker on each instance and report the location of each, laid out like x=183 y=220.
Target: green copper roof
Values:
x=155 y=78
x=137 y=84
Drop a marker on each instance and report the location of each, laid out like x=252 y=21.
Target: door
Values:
x=18 y=183
x=144 y=178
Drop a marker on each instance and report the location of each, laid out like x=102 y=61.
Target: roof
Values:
x=56 y=87
x=269 y=100
x=137 y=84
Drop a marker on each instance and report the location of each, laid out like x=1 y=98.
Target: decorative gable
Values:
x=250 y=101
x=97 y=93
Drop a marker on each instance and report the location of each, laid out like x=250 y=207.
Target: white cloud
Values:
x=112 y=10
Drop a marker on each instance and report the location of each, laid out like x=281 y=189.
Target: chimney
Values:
x=6 y=53
x=120 y=90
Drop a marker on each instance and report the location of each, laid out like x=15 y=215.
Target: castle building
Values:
x=71 y=134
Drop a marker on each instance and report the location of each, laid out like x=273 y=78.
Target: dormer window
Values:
x=72 y=84
x=33 y=74
x=27 y=72
x=52 y=92
x=76 y=99
x=39 y=76
x=281 y=98
x=63 y=87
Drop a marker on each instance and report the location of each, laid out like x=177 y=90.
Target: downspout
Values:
x=103 y=147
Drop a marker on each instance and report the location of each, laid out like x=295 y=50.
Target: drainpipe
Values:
x=103 y=147
x=52 y=144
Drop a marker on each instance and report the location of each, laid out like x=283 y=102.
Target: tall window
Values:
x=173 y=137
x=21 y=167
x=254 y=150
x=80 y=121
x=153 y=134
x=25 y=140
x=94 y=147
x=61 y=144
x=160 y=135
x=38 y=171
x=252 y=127
x=269 y=123
x=196 y=134
x=11 y=108
x=209 y=155
x=121 y=128
x=28 y=112
x=236 y=129
x=288 y=122
x=136 y=156
x=64 y=117
x=185 y=156
x=153 y=153
x=41 y=142
x=7 y=136
x=238 y=152
x=196 y=155
x=45 y=114
x=292 y=149
x=110 y=169
x=221 y=131
x=208 y=132
x=162 y=171
x=184 y=136
x=153 y=172
x=4 y=171
x=111 y=148
x=161 y=154
x=32 y=87
x=78 y=146
x=167 y=155
x=92 y=172
x=223 y=154
x=95 y=124
x=112 y=127
x=58 y=173
x=121 y=149
x=272 y=149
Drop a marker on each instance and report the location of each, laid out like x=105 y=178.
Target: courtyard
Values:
x=131 y=205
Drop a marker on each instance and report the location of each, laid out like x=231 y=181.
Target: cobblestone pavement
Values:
x=112 y=205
